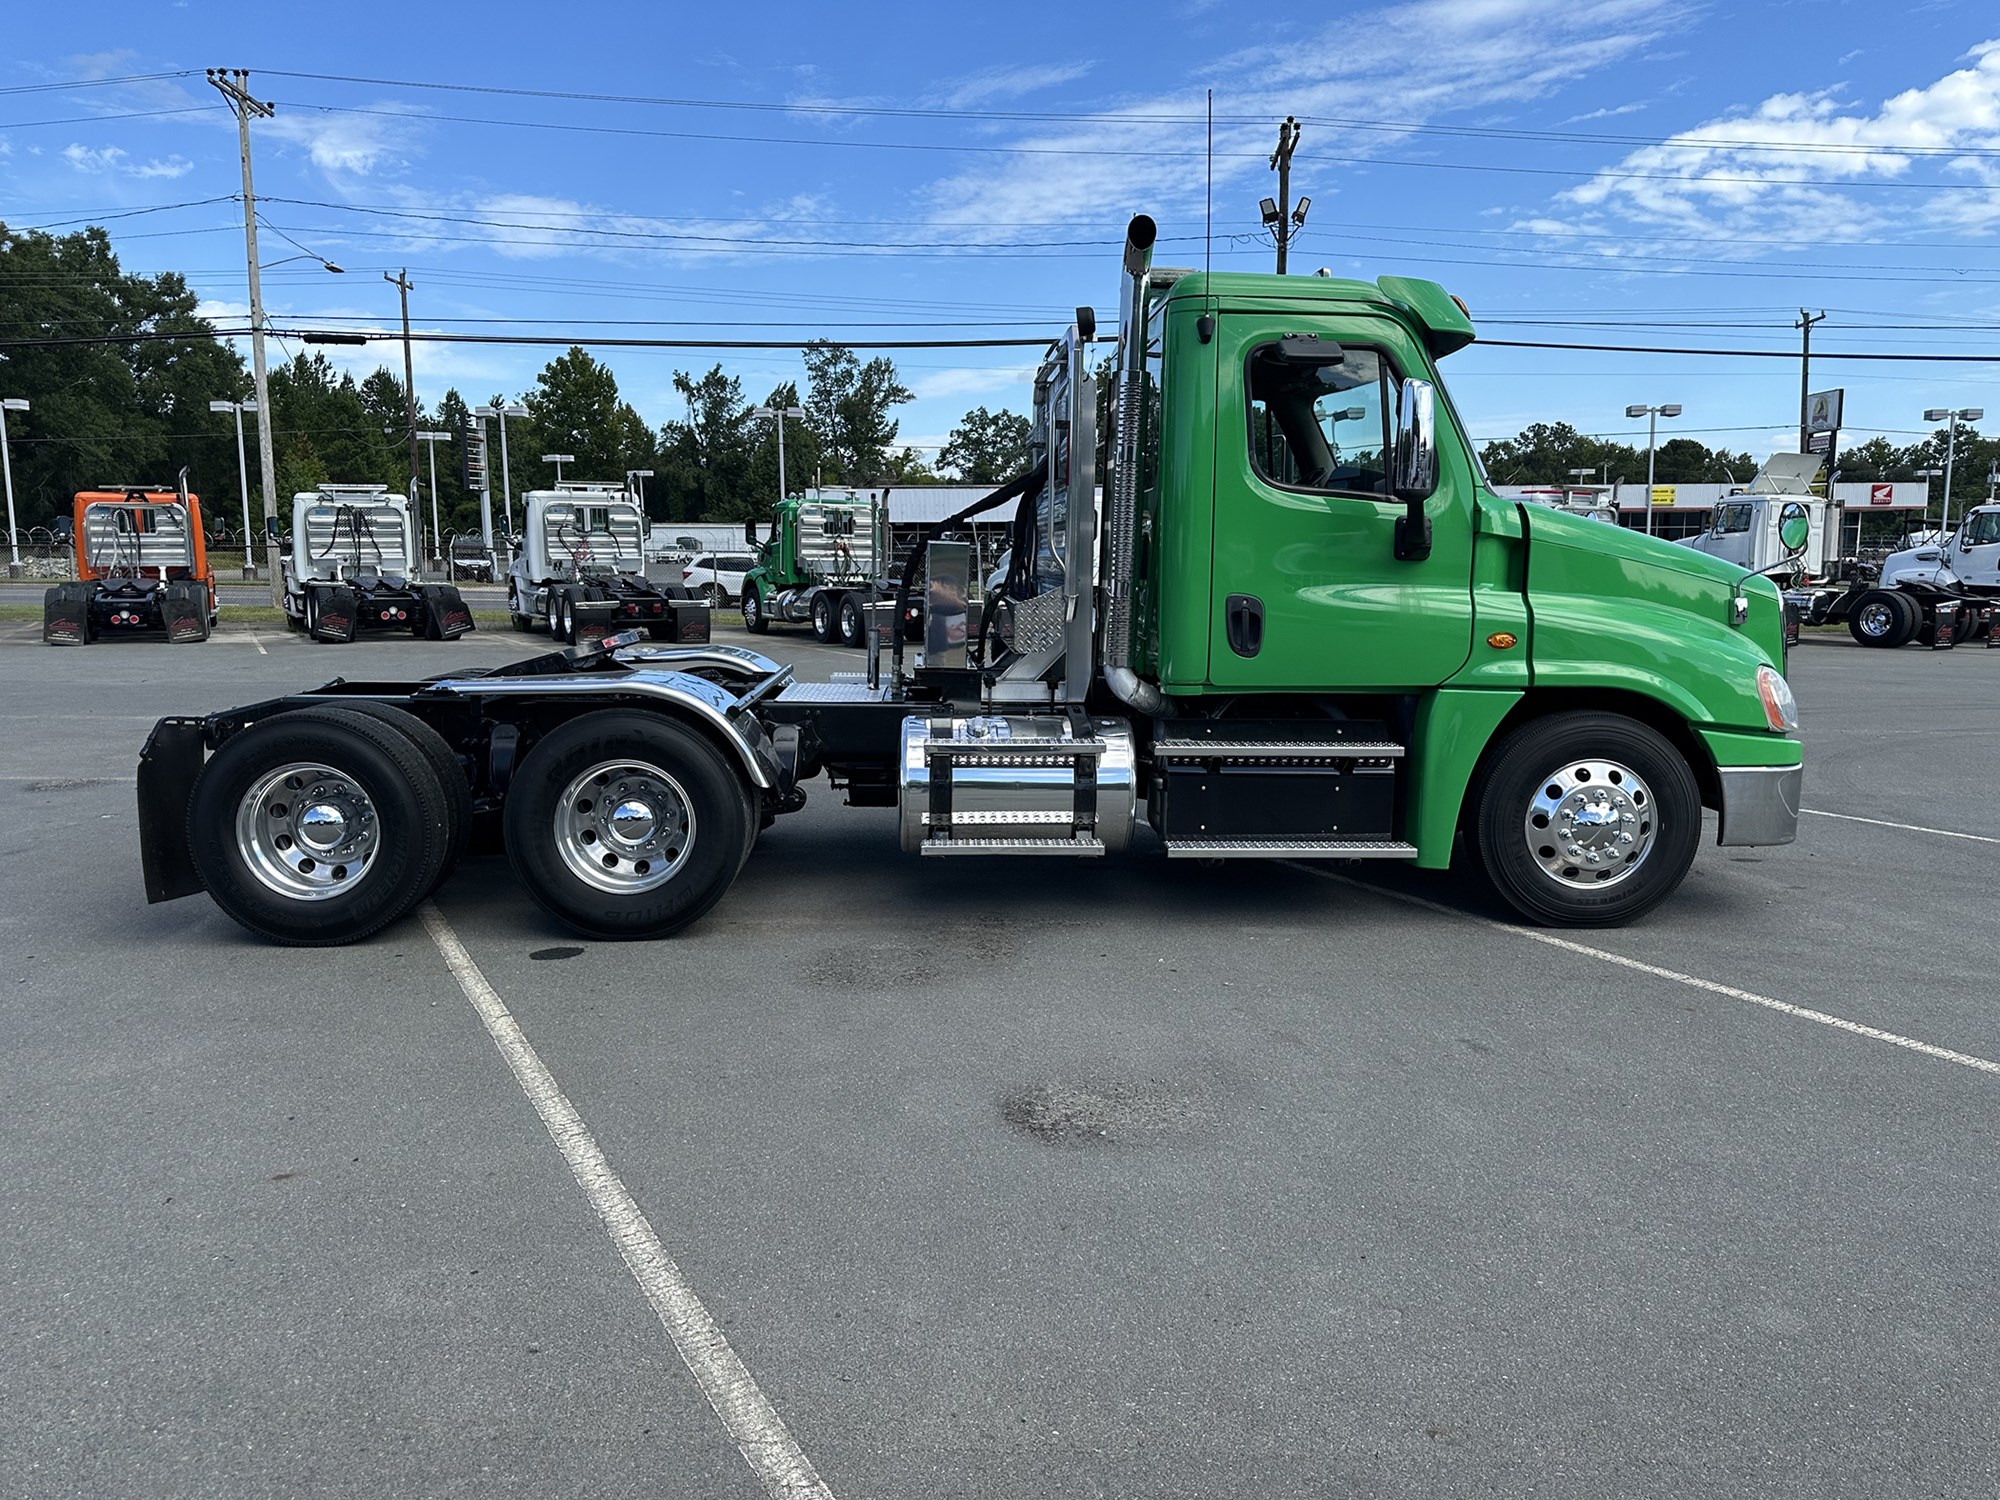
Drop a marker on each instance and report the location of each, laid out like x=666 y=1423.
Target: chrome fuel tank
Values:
x=1016 y=784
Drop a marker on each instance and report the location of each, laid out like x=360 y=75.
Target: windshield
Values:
x=1982 y=528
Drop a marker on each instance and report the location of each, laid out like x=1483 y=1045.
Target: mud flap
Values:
x=446 y=614
x=595 y=619
x=168 y=767
x=184 y=611
x=66 y=615
x=690 y=620
x=332 y=614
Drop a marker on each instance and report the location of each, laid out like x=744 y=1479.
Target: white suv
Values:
x=716 y=577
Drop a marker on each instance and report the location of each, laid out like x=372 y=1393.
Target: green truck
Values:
x=1299 y=626
x=820 y=565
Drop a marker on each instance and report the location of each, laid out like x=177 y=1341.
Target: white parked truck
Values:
x=581 y=570
x=1941 y=594
x=353 y=548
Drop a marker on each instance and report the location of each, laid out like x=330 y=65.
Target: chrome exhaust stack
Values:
x=1122 y=491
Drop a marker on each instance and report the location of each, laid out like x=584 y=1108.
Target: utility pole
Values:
x=233 y=85
x=402 y=283
x=1805 y=325
x=1278 y=217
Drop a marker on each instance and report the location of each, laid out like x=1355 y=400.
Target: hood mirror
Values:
x=1794 y=528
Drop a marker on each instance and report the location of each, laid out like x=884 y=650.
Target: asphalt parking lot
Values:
x=1012 y=1178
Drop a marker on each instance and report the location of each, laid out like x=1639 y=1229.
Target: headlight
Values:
x=1781 y=709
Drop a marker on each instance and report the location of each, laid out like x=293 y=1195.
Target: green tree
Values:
x=908 y=467
x=848 y=404
x=128 y=410
x=322 y=432
x=986 y=447
x=802 y=452
x=705 y=458
x=575 y=408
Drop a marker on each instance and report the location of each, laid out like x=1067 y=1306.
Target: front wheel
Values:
x=1878 y=619
x=1587 y=819
x=627 y=825
x=753 y=612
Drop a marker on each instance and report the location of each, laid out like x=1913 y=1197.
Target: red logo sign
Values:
x=1881 y=494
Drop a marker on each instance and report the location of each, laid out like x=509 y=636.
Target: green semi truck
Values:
x=821 y=564
x=1300 y=626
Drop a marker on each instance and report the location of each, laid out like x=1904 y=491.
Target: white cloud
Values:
x=351 y=145
x=1704 y=180
x=1606 y=113
x=939 y=385
x=1010 y=83
x=1474 y=53
x=97 y=160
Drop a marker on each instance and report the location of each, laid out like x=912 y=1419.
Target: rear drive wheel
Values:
x=851 y=631
x=1913 y=617
x=1587 y=819
x=1877 y=619
x=753 y=611
x=437 y=752
x=627 y=825
x=822 y=616
x=562 y=616
x=318 y=827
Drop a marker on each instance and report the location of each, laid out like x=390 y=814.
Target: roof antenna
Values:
x=1208 y=226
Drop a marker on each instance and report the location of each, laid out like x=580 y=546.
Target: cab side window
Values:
x=1321 y=426
x=1983 y=530
x=1732 y=518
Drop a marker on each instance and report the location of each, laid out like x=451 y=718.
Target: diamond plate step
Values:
x=1072 y=846
x=1289 y=849
x=1176 y=748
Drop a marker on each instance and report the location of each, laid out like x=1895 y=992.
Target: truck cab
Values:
x=141 y=566
x=1967 y=559
x=1744 y=529
x=353 y=549
x=581 y=570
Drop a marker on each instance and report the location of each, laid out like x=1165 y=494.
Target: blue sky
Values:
x=1596 y=172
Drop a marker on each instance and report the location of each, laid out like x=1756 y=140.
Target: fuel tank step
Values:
x=1081 y=845
x=1289 y=849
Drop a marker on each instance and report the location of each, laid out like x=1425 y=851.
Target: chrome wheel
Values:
x=1876 y=620
x=624 y=827
x=307 y=831
x=1591 y=823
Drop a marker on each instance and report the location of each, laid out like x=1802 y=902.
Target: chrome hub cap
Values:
x=1591 y=823
x=624 y=827
x=1877 y=620
x=307 y=831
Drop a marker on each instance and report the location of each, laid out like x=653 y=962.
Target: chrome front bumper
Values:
x=1760 y=804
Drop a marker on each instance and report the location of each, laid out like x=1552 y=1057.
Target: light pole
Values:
x=11 y=403
x=1927 y=475
x=1951 y=416
x=797 y=414
x=242 y=475
x=503 y=411
x=1652 y=415
x=558 y=459
x=430 y=440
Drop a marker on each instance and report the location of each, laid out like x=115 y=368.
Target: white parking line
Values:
x=1943 y=833
x=752 y=1422
x=1604 y=955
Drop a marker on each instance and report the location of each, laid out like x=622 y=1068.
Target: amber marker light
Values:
x=1501 y=640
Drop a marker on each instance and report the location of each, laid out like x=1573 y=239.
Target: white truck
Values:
x=581 y=570
x=1938 y=595
x=353 y=549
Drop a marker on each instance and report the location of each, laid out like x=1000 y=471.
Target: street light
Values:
x=430 y=440
x=780 y=413
x=558 y=459
x=1951 y=416
x=503 y=412
x=1651 y=414
x=242 y=472
x=337 y=270
x=11 y=403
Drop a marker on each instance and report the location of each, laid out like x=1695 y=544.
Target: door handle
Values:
x=1243 y=622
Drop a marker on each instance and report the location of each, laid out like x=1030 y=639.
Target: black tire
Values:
x=515 y=618
x=852 y=631
x=753 y=611
x=1913 y=616
x=716 y=595
x=1536 y=761
x=823 y=625
x=444 y=761
x=411 y=810
x=562 y=616
x=723 y=824
x=1877 y=619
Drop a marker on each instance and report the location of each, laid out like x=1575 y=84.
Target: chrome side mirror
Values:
x=1794 y=528
x=1414 y=473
